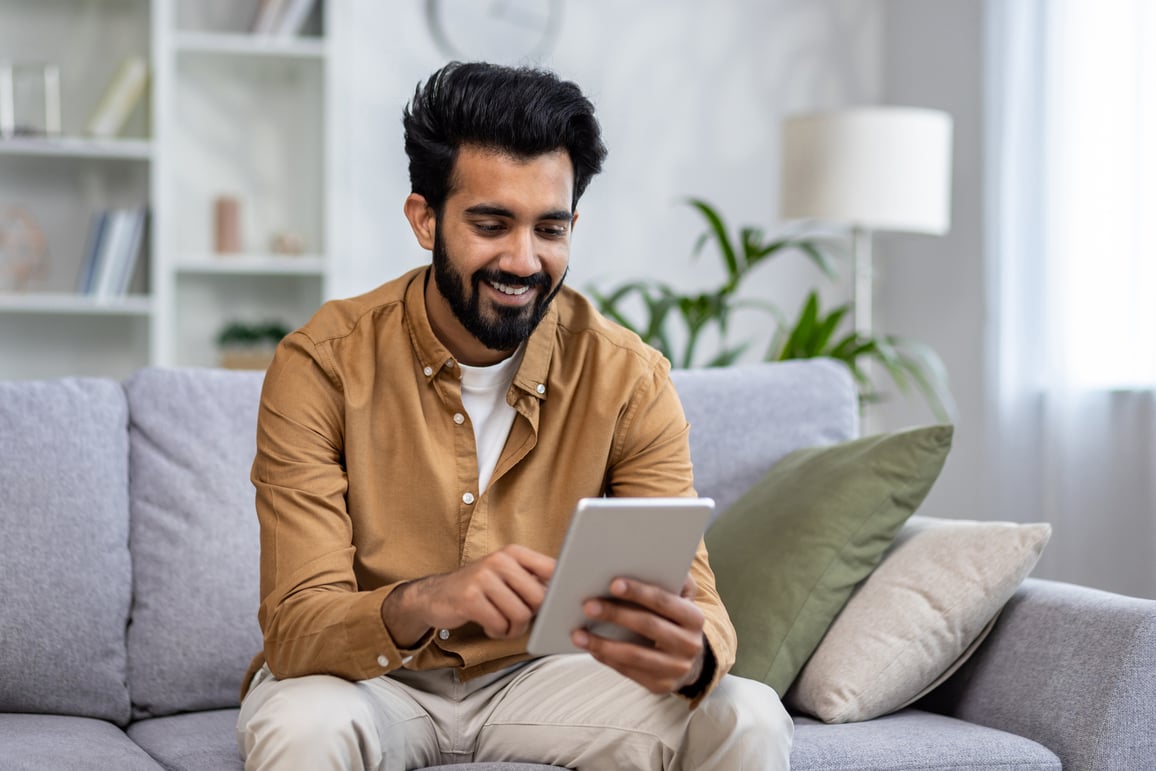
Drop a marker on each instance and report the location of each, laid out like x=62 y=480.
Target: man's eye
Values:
x=553 y=232
x=487 y=227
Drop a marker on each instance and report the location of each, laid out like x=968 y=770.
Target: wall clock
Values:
x=501 y=31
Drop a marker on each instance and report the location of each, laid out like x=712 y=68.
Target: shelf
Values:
x=74 y=304
x=79 y=147
x=250 y=45
x=254 y=264
x=225 y=112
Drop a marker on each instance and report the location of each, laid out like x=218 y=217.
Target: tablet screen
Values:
x=649 y=539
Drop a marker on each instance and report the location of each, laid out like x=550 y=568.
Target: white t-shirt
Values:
x=484 y=397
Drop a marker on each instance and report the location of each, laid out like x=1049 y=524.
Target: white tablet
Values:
x=650 y=539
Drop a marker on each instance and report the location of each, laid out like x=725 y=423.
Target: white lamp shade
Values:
x=882 y=168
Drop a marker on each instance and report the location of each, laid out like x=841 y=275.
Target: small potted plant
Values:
x=243 y=345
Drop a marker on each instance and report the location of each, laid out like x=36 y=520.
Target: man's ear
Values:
x=574 y=219
x=422 y=219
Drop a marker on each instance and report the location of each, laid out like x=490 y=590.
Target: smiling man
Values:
x=419 y=451
x=513 y=257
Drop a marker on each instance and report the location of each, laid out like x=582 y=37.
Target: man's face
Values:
x=500 y=251
x=503 y=326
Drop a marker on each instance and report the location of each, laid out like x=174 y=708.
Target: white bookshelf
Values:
x=47 y=329
x=227 y=113
x=255 y=265
x=243 y=116
x=70 y=304
x=250 y=45
x=79 y=147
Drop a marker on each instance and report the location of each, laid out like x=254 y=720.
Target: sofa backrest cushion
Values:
x=744 y=419
x=195 y=541
x=65 y=570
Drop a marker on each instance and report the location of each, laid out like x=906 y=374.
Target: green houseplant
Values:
x=811 y=333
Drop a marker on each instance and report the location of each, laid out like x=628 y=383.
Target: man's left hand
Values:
x=671 y=621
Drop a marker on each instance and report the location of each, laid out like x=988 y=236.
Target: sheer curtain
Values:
x=1071 y=196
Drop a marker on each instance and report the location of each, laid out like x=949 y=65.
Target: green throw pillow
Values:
x=787 y=555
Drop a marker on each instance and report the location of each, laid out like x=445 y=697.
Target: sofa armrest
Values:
x=1070 y=667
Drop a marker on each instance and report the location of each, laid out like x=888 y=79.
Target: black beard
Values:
x=513 y=325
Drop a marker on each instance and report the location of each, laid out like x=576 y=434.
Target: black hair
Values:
x=519 y=111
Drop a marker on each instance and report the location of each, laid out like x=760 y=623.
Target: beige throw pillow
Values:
x=917 y=617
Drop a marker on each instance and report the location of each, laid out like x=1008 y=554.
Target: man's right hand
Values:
x=501 y=592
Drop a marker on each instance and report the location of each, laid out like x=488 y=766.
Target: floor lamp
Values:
x=874 y=168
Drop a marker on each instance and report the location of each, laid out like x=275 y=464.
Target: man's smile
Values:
x=508 y=289
x=510 y=293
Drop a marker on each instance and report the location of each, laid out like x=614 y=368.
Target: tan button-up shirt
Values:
x=365 y=480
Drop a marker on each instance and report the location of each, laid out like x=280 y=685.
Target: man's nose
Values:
x=520 y=256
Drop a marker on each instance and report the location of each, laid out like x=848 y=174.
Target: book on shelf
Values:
x=96 y=227
x=282 y=18
x=121 y=96
x=112 y=252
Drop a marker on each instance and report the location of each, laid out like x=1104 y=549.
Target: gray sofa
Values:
x=128 y=565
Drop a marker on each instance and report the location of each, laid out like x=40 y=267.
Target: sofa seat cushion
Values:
x=191 y=742
x=38 y=742
x=64 y=552
x=913 y=739
x=195 y=541
x=206 y=741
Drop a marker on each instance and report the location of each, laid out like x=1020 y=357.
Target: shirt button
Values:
x=459 y=418
x=468 y=498
x=382 y=661
x=444 y=634
x=541 y=388
x=449 y=363
x=427 y=371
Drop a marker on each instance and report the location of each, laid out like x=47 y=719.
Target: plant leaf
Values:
x=811 y=250
x=728 y=356
x=797 y=339
x=719 y=231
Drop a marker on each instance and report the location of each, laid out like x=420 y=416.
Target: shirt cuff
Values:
x=698 y=690
x=371 y=642
x=408 y=654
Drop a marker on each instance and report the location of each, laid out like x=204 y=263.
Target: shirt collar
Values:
x=432 y=355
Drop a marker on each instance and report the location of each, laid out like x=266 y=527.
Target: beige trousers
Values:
x=564 y=710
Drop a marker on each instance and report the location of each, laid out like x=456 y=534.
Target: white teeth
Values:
x=507 y=289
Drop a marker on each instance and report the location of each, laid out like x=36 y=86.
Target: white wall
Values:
x=690 y=96
x=932 y=288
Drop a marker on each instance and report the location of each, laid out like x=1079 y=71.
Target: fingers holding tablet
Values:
x=650 y=540
x=671 y=622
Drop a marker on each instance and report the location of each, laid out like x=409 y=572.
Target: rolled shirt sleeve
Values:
x=312 y=614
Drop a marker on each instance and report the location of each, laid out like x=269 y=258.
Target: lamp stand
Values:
x=862 y=294
x=862 y=288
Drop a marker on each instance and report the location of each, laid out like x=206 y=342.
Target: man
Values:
x=420 y=449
